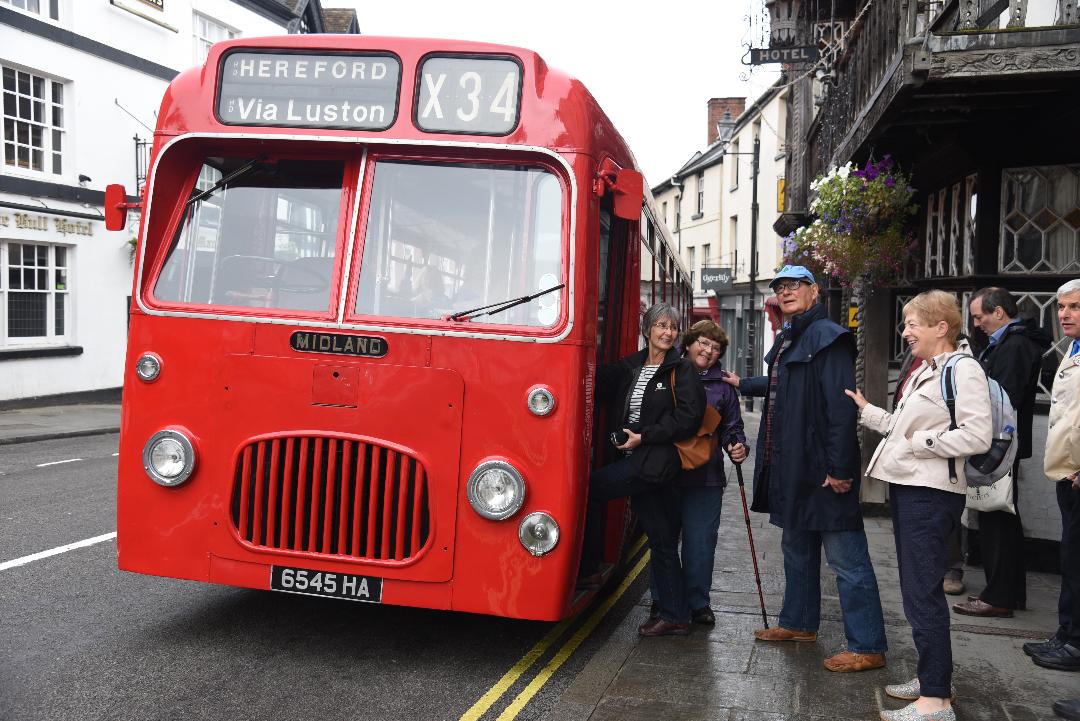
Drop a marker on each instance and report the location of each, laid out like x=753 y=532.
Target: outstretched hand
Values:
x=857 y=396
x=731 y=379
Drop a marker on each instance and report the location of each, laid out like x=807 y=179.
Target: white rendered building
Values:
x=81 y=86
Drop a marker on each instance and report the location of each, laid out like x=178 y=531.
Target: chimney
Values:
x=718 y=109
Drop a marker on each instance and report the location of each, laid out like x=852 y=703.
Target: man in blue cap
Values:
x=807 y=474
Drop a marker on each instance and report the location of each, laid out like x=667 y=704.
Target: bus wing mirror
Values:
x=116 y=207
x=629 y=189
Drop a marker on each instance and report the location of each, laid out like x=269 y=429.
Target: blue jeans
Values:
x=700 y=520
x=856 y=584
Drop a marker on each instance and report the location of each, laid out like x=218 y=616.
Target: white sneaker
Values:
x=911 y=690
x=909 y=713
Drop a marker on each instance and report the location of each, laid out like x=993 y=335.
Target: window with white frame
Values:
x=950 y=229
x=206 y=33
x=35 y=289
x=45 y=8
x=734 y=160
x=33 y=131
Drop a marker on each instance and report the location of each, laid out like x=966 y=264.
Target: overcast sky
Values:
x=652 y=72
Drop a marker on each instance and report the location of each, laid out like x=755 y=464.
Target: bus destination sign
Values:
x=351 y=91
x=472 y=95
x=361 y=345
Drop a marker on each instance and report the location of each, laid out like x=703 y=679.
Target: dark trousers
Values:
x=658 y=509
x=923 y=518
x=1069 y=601
x=1001 y=535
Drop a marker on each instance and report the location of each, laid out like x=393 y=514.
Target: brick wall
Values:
x=718 y=108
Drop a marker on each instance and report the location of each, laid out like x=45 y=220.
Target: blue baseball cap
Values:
x=794 y=272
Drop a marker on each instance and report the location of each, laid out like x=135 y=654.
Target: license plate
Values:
x=324 y=583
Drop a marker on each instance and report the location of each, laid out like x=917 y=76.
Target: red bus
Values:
x=374 y=279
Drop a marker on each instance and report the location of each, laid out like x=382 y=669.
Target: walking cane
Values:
x=750 y=535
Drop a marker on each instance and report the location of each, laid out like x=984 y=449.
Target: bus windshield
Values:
x=264 y=237
x=447 y=237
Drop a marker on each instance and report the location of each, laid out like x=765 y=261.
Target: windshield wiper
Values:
x=226 y=179
x=502 y=305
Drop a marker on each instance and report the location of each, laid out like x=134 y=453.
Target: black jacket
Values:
x=662 y=420
x=1014 y=362
x=813 y=429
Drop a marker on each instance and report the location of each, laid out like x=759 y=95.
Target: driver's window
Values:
x=265 y=238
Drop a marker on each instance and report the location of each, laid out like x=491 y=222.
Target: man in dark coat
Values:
x=807 y=474
x=1013 y=357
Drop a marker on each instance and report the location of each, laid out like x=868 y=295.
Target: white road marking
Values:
x=56 y=463
x=56 y=551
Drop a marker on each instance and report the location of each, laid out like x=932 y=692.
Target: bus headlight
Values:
x=538 y=533
x=168 y=458
x=541 y=401
x=148 y=367
x=496 y=490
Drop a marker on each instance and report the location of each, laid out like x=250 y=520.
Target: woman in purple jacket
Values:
x=702 y=489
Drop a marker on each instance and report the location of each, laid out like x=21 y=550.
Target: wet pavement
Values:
x=722 y=673
x=37 y=424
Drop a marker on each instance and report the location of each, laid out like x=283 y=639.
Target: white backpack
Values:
x=985 y=468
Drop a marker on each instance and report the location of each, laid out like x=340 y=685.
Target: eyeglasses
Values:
x=665 y=326
x=709 y=345
x=791 y=285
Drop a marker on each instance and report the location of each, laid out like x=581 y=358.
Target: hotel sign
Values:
x=763 y=56
x=40 y=223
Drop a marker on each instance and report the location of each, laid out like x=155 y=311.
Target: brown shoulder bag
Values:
x=695 y=451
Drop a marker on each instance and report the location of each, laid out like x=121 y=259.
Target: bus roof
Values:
x=556 y=110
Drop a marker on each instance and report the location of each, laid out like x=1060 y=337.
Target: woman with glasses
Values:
x=654 y=398
x=702 y=489
x=921 y=457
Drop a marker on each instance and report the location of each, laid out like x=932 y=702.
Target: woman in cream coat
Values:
x=926 y=501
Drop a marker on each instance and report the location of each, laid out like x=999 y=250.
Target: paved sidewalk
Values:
x=723 y=674
x=38 y=424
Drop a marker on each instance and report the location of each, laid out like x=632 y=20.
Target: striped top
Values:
x=634 y=414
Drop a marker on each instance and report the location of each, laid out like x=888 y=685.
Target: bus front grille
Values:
x=333 y=496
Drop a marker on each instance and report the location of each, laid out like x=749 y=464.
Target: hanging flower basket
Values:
x=861 y=229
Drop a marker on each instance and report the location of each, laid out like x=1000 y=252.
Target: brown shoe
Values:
x=779 y=633
x=1020 y=605
x=979 y=608
x=953 y=586
x=849 y=661
x=660 y=627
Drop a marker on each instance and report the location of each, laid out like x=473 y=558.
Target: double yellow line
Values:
x=536 y=652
